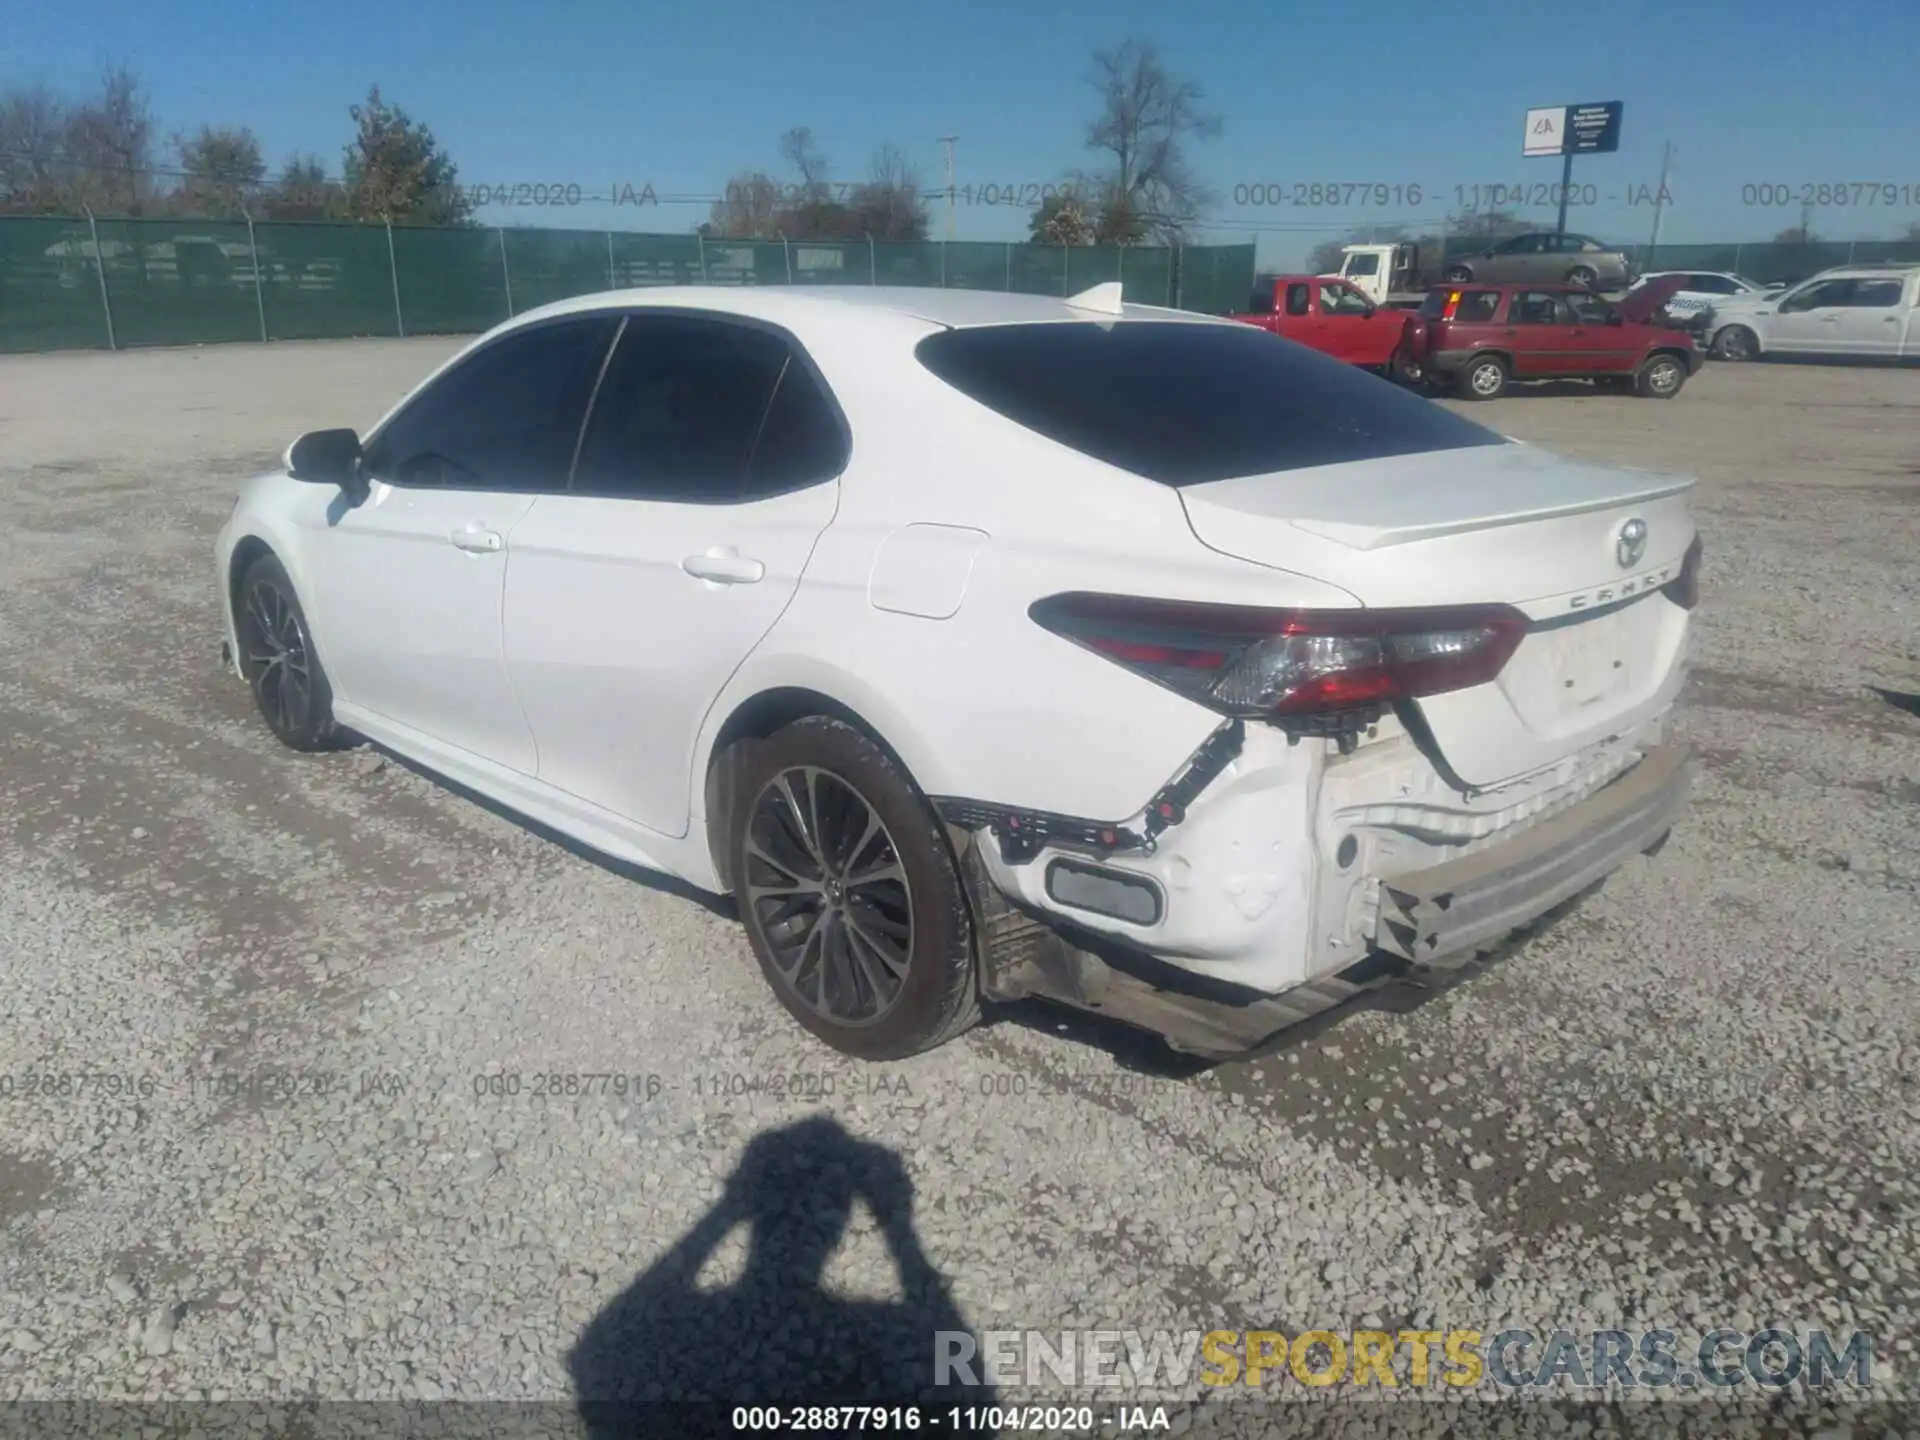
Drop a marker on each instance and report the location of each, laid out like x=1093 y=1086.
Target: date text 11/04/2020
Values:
x=1354 y=194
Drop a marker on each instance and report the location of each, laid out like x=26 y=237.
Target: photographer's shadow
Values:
x=776 y=1336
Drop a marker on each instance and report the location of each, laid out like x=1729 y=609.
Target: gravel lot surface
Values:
x=1692 y=1102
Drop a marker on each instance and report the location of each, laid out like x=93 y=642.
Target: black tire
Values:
x=278 y=660
x=1736 y=342
x=833 y=936
x=1482 y=378
x=1406 y=370
x=1583 y=275
x=1661 y=377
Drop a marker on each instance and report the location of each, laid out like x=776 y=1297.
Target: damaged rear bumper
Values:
x=1463 y=904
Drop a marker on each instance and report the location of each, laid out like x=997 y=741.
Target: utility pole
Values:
x=1659 y=201
x=948 y=141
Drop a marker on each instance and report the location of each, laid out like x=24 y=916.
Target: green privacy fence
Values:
x=90 y=284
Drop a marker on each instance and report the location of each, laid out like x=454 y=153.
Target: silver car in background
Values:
x=1544 y=255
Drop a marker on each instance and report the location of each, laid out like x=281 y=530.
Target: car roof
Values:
x=804 y=305
x=1877 y=271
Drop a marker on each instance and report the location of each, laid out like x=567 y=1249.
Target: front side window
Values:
x=691 y=410
x=1184 y=404
x=1342 y=300
x=1588 y=309
x=1539 y=307
x=505 y=418
x=1523 y=245
x=1816 y=296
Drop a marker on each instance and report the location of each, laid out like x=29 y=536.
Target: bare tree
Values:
x=33 y=123
x=221 y=169
x=798 y=149
x=1147 y=119
x=1062 y=219
x=108 y=146
x=888 y=206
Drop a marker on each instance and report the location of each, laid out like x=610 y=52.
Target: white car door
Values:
x=1806 y=321
x=409 y=583
x=1873 y=321
x=708 y=469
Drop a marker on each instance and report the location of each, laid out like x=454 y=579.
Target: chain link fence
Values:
x=70 y=284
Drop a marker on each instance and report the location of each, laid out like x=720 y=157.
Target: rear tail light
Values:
x=1684 y=588
x=1453 y=305
x=1253 y=663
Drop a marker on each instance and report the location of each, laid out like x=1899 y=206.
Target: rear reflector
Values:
x=1256 y=663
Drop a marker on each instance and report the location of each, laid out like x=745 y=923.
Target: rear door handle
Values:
x=477 y=541
x=724 y=565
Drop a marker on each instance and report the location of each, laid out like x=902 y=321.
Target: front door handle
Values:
x=724 y=565
x=477 y=541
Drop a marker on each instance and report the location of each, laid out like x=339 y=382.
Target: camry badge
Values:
x=1632 y=543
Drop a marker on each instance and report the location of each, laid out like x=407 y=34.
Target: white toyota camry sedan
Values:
x=984 y=646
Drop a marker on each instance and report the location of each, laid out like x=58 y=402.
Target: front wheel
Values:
x=1736 y=342
x=850 y=894
x=279 y=662
x=1661 y=378
x=1484 y=379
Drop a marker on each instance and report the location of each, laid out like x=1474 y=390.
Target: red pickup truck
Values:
x=1332 y=316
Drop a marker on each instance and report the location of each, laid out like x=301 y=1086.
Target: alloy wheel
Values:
x=277 y=657
x=1664 y=377
x=825 y=887
x=1486 y=379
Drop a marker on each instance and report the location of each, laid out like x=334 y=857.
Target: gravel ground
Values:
x=1690 y=1103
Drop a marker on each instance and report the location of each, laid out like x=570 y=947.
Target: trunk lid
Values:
x=1507 y=524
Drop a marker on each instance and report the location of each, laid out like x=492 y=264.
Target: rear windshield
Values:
x=1187 y=404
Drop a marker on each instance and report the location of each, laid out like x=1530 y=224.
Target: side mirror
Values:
x=327 y=457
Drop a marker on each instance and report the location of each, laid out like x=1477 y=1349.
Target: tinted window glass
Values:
x=506 y=417
x=1184 y=404
x=1262 y=301
x=801 y=442
x=1297 y=302
x=1874 y=294
x=1435 y=305
x=679 y=410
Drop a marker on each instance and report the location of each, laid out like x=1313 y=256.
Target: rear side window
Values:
x=679 y=409
x=1185 y=404
x=1262 y=301
x=1475 y=307
x=1875 y=294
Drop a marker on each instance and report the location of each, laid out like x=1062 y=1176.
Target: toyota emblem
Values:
x=1632 y=543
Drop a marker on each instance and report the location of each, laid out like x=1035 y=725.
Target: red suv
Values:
x=1481 y=338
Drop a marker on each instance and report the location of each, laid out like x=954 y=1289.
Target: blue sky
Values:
x=605 y=93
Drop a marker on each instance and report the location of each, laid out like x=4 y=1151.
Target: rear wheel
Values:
x=849 y=893
x=1736 y=342
x=1457 y=275
x=278 y=660
x=1583 y=275
x=1661 y=378
x=1484 y=378
x=1405 y=369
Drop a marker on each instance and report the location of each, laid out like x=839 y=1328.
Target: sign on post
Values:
x=1574 y=129
x=1570 y=130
